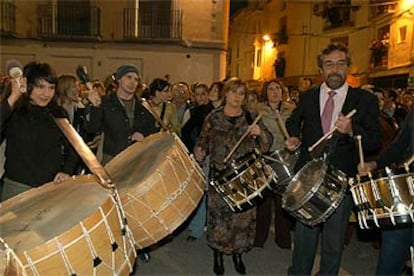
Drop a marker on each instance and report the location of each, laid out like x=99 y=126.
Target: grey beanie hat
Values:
x=125 y=69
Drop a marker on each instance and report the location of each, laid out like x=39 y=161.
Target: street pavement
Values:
x=176 y=256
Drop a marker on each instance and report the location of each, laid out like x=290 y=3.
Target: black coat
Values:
x=112 y=120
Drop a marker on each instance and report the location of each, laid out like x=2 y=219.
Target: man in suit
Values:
x=319 y=110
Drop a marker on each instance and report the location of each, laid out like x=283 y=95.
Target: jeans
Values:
x=199 y=216
x=198 y=220
x=395 y=250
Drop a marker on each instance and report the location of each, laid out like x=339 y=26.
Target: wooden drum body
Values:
x=159 y=186
x=72 y=228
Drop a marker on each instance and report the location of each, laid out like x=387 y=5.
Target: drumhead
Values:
x=139 y=161
x=305 y=182
x=40 y=214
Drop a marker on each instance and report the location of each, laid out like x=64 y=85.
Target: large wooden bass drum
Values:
x=159 y=186
x=69 y=228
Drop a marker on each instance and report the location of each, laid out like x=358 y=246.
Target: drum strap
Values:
x=163 y=111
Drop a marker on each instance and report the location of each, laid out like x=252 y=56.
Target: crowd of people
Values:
x=211 y=119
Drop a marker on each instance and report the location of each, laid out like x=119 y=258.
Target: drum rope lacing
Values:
x=31 y=264
x=97 y=260
x=114 y=245
x=127 y=235
x=11 y=254
x=65 y=258
x=190 y=171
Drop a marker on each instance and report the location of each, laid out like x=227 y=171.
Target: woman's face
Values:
x=161 y=96
x=201 y=96
x=73 y=92
x=251 y=102
x=42 y=93
x=235 y=97
x=214 y=93
x=274 y=93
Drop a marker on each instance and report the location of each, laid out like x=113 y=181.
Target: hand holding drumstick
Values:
x=254 y=130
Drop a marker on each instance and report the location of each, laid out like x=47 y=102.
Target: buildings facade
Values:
x=280 y=38
x=182 y=40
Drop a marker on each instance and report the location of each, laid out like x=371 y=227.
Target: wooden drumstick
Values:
x=361 y=153
x=84 y=152
x=281 y=125
x=410 y=160
x=329 y=133
x=147 y=106
x=241 y=139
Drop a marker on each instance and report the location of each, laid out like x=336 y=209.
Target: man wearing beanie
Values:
x=120 y=116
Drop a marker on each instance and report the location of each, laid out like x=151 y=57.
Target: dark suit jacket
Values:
x=305 y=123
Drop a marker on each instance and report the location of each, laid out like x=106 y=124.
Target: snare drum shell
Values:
x=315 y=192
x=383 y=180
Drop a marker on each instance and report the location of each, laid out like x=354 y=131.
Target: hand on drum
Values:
x=292 y=143
x=61 y=176
x=136 y=137
x=344 y=124
x=368 y=167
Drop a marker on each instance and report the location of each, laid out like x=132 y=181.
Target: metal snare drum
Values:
x=315 y=192
x=282 y=162
x=242 y=184
x=384 y=198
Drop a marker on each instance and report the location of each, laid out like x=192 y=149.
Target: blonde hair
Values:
x=64 y=83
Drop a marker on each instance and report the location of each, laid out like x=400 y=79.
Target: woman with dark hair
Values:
x=215 y=93
x=272 y=107
x=36 y=150
x=229 y=232
x=157 y=97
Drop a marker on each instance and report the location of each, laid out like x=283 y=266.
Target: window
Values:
x=259 y=58
x=402 y=34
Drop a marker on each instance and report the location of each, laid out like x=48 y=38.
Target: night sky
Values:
x=235 y=5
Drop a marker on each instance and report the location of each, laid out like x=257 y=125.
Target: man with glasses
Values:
x=319 y=110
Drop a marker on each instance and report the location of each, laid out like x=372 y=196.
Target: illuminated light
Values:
x=406 y=4
x=266 y=37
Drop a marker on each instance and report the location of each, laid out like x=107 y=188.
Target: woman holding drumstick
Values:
x=229 y=232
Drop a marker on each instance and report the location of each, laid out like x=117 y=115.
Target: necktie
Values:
x=327 y=112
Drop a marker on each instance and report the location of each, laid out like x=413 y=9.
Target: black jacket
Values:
x=112 y=120
x=402 y=148
x=36 y=149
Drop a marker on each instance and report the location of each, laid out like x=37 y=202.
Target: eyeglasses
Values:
x=339 y=64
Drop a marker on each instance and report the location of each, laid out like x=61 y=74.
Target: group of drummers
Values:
x=305 y=160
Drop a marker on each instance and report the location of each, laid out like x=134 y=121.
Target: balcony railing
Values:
x=7 y=18
x=162 y=25
x=381 y=7
x=68 y=21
